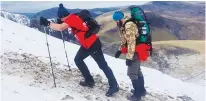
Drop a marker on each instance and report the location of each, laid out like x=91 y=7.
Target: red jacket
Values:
x=141 y=49
x=79 y=29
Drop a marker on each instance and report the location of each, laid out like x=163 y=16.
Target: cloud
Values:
x=36 y=6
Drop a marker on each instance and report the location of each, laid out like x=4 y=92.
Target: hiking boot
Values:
x=134 y=97
x=136 y=92
x=112 y=90
x=87 y=84
x=142 y=88
x=143 y=92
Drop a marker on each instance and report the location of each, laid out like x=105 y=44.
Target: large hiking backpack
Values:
x=91 y=23
x=139 y=18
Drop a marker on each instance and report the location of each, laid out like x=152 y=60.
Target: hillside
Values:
x=168 y=21
x=25 y=61
x=195 y=45
x=165 y=65
x=182 y=59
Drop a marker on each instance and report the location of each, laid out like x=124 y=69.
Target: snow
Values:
x=24 y=20
x=37 y=94
x=22 y=39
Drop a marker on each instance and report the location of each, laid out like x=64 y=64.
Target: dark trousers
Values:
x=97 y=54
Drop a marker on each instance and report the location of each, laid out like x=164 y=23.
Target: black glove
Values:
x=44 y=21
x=128 y=62
x=118 y=53
x=59 y=21
x=119 y=24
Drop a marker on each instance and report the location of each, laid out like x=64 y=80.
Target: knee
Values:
x=140 y=74
x=77 y=60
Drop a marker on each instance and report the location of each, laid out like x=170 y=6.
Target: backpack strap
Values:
x=129 y=20
x=85 y=16
x=74 y=28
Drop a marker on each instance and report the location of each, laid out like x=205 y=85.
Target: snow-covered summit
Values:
x=24 y=20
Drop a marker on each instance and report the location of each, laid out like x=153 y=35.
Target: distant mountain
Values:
x=24 y=20
x=176 y=8
x=52 y=12
x=29 y=15
x=98 y=11
x=169 y=21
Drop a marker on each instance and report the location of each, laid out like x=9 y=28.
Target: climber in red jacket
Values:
x=90 y=45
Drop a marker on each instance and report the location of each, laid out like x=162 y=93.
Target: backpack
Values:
x=142 y=24
x=93 y=26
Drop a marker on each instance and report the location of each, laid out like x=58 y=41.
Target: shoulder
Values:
x=130 y=24
x=71 y=18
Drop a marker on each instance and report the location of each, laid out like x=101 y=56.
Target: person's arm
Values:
x=122 y=38
x=122 y=44
x=130 y=31
x=54 y=26
x=58 y=27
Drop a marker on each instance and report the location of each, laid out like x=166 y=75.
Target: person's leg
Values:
x=99 y=58
x=134 y=73
x=141 y=78
x=141 y=81
x=79 y=61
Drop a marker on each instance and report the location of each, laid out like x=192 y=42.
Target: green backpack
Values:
x=139 y=18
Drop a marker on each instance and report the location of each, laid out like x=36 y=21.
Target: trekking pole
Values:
x=50 y=58
x=65 y=51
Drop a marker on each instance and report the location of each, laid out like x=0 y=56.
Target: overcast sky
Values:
x=36 y=6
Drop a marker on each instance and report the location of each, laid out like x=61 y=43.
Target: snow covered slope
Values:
x=24 y=20
x=26 y=74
